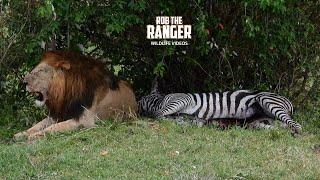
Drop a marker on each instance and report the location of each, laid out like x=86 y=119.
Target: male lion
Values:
x=78 y=91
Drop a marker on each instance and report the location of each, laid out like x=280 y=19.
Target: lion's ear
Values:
x=63 y=64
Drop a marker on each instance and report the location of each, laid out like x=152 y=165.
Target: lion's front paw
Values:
x=35 y=136
x=21 y=136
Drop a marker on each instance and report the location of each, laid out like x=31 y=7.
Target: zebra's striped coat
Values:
x=241 y=104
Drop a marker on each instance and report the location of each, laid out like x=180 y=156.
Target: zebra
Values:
x=150 y=104
x=244 y=105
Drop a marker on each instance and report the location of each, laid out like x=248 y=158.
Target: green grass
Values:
x=155 y=150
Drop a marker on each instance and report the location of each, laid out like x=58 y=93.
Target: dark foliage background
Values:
x=240 y=44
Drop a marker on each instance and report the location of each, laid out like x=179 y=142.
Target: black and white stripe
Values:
x=241 y=104
x=149 y=105
x=276 y=106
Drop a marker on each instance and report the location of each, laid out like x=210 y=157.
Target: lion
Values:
x=78 y=92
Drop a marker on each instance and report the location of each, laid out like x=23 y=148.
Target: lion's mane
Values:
x=74 y=88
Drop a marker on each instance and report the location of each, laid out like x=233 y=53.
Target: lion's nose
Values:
x=25 y=80
x=25 y=83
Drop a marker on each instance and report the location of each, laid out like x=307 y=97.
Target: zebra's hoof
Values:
x=296 y=132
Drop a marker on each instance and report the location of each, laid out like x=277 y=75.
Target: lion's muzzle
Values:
x=32 y=87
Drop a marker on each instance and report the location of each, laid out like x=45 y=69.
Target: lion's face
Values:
x=38 y=81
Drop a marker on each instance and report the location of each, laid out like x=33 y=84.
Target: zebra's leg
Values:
x=262 y=123
x=169 y=109
x=186 y=120
x=181 y=120
x=286 y=119
x=189 y=120
x=276 y=109
x=198 y=121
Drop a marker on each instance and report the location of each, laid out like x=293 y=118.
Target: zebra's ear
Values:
x=155 y=85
